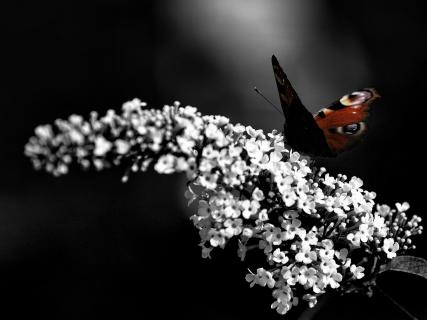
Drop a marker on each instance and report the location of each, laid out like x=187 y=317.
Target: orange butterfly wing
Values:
x=343 y=123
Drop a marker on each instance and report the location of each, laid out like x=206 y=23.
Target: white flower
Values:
x=233 y=227
x=276 y=156
x=308 y=238
x=250 y=208
x=307 y=205
x=329 y=181
x=289 y=197
x=354 y=238
x=357 y=198
x=284 y=296
x=290 y=228
x=76 y=137
x=258 y=195
x=253 y=133
x=294 y=156
x=326 y=253
x=206 y=165
x=335 y=279
x=185 y=144
x=44 y=132
x=102 y=146
x=262 y=278
x=247 y=232
x=165 y=164
x=208 y=180
x=357 y=271
x=122 y=146
x=232 y=211
x=311 y=299
x=328 y=265
x=132 y=106
x=380 y=226
x=283 y=302
x=342 y=203
x=308 y=276
x=217 y=238
x=390 y=247
x=306 y=256
x=327 y=244
x=263 y=215
x=181 y=164
x=402 y=207
x=383 y=210
x=211 y=131
x=280 y=256
x=355 y=183
x=275 y=236
x=254 y=150
x=76 y=119
x=291 y=275
x=238 y=128
x=364 y=232
x=321 y=283
x=210 y=153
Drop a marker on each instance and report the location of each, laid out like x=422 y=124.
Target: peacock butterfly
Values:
x=333 y=129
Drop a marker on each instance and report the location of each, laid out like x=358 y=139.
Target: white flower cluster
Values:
x=315 y=232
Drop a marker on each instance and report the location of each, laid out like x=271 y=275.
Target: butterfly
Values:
x=330 y=131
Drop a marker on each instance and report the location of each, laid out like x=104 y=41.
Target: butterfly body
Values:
x=333 y=129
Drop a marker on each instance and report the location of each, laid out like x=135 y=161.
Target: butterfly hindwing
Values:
x=343 y=122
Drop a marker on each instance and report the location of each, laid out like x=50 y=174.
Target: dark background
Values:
x=86 y=246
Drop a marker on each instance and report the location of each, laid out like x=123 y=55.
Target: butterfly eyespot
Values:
x=356 y=98
x=351 y=129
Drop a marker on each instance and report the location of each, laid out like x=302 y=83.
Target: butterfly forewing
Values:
x=301 y=131
x=288 y=97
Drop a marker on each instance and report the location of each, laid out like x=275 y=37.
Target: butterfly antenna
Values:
x=266 y=99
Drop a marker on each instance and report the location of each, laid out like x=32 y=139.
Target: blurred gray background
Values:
x=86 y=246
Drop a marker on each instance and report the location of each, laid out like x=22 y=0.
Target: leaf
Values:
x=408 y=264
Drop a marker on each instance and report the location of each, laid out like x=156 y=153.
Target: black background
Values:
x=86 y=246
